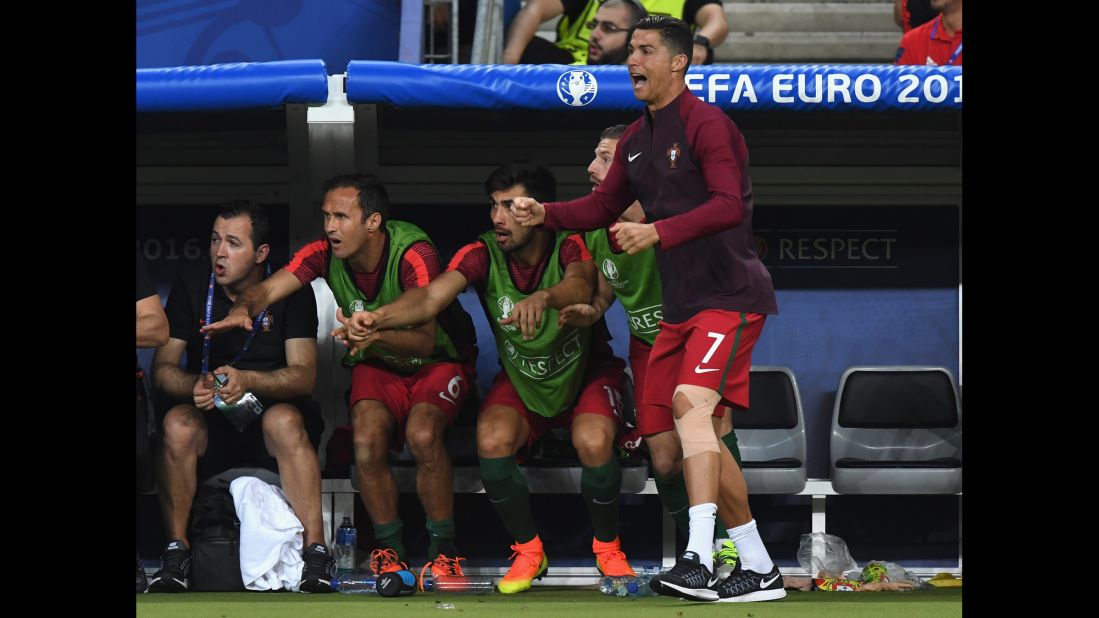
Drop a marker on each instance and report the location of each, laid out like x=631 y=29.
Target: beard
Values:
x=613 y=56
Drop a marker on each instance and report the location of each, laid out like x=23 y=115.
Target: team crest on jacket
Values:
x=674 y=154
x=268 y=320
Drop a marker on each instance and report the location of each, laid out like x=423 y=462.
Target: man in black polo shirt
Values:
x=210 y=425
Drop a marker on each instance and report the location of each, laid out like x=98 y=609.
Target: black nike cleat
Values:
x=688 y=579
x=747 y=586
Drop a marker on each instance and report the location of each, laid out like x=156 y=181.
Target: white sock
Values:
x=701 y=540
x=749 y=547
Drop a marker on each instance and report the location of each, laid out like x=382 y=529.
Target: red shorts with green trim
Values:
x=601 y=394
x=443 y=385
x=713 y=350
x=654 y=415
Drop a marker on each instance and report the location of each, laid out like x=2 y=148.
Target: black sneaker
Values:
x=745 y=586
x=142 y=581
x=175 y=566
x=688 y=579
x=318 y=571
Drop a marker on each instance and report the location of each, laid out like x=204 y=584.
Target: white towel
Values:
x=270 y=536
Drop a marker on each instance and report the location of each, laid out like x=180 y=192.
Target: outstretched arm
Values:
x=575 y=287
x=526 y=23
x=597 y=209
x=415 y=306
x=586 y=314
x=273 y=289
x=357 y=333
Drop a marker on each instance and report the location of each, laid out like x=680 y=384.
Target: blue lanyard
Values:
x=934 y=30
x=210 y=315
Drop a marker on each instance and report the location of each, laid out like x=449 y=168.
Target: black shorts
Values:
x=228 y=448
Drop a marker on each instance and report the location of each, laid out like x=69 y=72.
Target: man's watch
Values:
x=703 y=41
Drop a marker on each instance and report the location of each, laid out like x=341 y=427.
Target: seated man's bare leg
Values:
x=424 y=433
x=593 y=437
x=184 y=440
x=372 y=425
x=501 y=432
x=434 y=471
x=287 y=441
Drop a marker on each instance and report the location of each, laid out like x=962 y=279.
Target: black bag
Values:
x=215 y=542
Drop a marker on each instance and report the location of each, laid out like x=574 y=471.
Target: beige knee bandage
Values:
x=696 y=430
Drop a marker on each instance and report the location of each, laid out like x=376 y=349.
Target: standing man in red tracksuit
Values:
x=937 y=42
x=687 y=164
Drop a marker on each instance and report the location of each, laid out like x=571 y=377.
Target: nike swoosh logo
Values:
x=712 y=581
x=699 y=369
x=633 y=156
x=494 y=500
x=768 y=582
x=597 y=501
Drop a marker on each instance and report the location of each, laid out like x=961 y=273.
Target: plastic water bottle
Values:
x=355 y=582
x=643 y=589
x=397 y=583
x=346 y=537
x=460 y=584
x=626 y=586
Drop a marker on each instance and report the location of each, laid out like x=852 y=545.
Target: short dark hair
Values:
x=261 y=223
x=535 y=177
x=614 y=132
x=637 y=11
x=674 y=33
x=373 y=198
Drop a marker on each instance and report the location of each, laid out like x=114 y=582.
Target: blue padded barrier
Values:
x=232 y=86
x=731 y=87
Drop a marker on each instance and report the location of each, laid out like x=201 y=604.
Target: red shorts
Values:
x=650 y=419
x=443 y=385
x=713 y=349
x=601 y=394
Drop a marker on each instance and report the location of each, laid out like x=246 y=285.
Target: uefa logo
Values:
x=357 y=305
x=610 y=270
x=510 y=350
x=505 y=306
x=576 y=88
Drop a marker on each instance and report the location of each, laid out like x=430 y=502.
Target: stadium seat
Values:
x=897 y=430
x=771 y=433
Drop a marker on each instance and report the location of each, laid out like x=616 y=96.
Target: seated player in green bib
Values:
x=554 y=376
